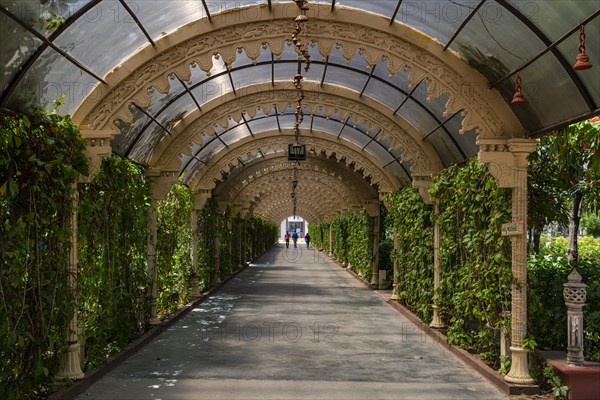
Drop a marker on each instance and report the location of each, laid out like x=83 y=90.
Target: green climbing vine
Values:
x=475 y=287
x=113 y=278
x=412 y=219
x=174 y=249
x=352 y=240
x=41 y=156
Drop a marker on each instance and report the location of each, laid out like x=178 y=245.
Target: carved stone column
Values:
x=70 y=365
x=331 y=239
x=216 y=267
x=160 y=185
x=507 y=160
x=436 y=321
x=230 y=244
x=574 y=294
x=97 y=149
x=152 y=267
x=375 y=270
x=372 y=208
x=195 y=292
x=396 y=267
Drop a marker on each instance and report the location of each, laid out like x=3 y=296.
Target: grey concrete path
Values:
x=293 y=326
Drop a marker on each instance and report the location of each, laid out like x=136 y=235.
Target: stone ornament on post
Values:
x=574 y=294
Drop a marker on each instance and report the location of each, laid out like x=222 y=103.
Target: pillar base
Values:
x=71 y=368
x=519 y=369
x=154 y=321
x=195 y=293
x=436 y=321
x=394 y=293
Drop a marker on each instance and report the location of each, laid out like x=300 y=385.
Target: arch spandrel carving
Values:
x=350 y=29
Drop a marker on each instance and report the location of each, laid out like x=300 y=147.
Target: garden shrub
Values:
x=548 y=272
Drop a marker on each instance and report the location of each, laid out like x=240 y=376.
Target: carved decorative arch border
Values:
x=329 y=100
x=322 y=143
x=352 y=30
x=277 y=176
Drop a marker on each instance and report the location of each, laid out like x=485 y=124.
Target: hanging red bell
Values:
x=582 y=61
x=518 y=97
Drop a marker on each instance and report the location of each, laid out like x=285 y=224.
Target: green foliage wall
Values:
x=352 y=240
x=40 y=159
x=319 y=235
x=475 y=258
x=174 y=249
x=113 y=239
x=412 y=219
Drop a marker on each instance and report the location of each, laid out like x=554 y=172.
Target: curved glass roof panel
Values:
x=43 y=16
x=417 y=117
x=47 y=80
x=384 y=94
x=445 y=147
x=497 y=49
x=163 y=17
x=547 y=104
x=558 y=18
x=570 y=49
x=128 y=133
x=17 y=46
x=103 y=38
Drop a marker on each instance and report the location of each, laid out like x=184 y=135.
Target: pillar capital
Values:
x=97 y=148
x=161 y=182
x=422 y=184
x=504 y=156
x=201 y=196
x=372 y=207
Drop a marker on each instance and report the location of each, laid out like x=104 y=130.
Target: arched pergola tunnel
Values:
x=203 y=94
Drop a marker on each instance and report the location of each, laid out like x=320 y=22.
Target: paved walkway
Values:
x=293 y=326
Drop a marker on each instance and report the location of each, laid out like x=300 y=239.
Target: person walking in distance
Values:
x=295 y=238
x=307 y=240
x=287 y=239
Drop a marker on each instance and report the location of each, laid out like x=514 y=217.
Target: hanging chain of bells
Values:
x=302 y=49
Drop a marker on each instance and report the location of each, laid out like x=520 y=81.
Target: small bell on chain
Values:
x=518 y=97
x=582 y=61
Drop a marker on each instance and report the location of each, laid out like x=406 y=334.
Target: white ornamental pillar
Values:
x=507 y=160
x=217 y=269
x=436 y=321
x=194 y=281
x=375 y=268
x=396 y=267
x=96 y=150
x=160 y=185
x=70 y=365
x=331 y=239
